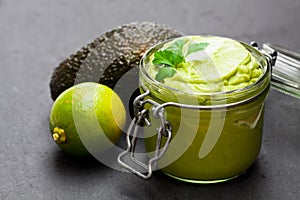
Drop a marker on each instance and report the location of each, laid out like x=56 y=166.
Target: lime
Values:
x=87 y=118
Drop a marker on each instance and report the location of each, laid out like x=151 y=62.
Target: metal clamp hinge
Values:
x=141 y=119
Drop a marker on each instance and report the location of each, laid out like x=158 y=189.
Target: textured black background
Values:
x=35 y=35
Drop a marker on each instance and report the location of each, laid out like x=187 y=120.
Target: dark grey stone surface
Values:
x=35 y=35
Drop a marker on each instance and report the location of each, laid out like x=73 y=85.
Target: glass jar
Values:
x=199 y=137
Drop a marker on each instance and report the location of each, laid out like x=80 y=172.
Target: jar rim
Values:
x=254 y=51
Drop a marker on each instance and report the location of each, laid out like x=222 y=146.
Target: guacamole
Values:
x=221 y=65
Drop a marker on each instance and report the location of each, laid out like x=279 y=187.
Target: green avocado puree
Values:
x=223 y=65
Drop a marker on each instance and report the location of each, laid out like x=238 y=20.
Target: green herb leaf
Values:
x=167 y=57
x=197 y=47
x=176 y=47
x=165 y=72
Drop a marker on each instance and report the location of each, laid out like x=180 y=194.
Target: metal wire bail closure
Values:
x=286 y=71
x=141 y=119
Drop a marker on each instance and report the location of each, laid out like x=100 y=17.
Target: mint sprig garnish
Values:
x=172 y=56
x=196 y=47
x=168 y=58
x=165 y=72
x=177 y=47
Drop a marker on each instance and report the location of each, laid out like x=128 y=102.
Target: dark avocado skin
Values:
x=109 y=57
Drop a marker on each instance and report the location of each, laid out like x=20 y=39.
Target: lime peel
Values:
x=87 y=119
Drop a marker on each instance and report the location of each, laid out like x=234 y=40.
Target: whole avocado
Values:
x=110 y=56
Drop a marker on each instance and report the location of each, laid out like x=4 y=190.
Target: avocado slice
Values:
x=109 y=57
